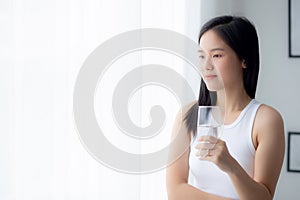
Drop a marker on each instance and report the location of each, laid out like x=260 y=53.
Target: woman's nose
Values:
x=206 y=64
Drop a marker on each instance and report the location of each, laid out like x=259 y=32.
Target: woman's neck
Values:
x=233 y=101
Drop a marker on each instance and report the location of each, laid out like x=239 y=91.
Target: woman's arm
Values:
x=177 y=173
x=177 y=183
x=268 y=137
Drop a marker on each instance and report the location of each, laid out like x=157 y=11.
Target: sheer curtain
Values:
x=43 y=46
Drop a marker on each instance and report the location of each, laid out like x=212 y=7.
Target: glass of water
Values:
x=209 y=123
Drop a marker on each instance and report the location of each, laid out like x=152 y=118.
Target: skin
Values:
x=223 y=72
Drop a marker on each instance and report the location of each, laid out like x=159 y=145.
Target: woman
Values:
x=245 y=162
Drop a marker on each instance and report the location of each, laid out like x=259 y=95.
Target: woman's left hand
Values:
x=216 y=152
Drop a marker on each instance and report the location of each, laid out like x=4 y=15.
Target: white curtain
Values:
x=43 y=46
x=213 y=8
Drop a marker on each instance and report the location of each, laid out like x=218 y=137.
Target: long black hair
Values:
x=240 y=35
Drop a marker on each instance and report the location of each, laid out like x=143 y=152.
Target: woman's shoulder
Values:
x=268 y=112
x=179 y=122
x=268 y=125
x=268 y=118
x=183 y=111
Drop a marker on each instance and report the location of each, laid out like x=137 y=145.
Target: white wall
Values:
x=279 y=76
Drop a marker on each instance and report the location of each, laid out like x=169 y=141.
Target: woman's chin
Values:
x=213 y=88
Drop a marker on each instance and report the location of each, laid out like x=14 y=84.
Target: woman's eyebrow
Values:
x=212 y=50
x=217 y=49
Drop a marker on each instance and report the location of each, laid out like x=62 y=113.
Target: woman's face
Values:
x=219 y=65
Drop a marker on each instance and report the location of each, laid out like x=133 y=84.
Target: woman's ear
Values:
x=244 y=66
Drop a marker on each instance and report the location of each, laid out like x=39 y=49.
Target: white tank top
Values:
x=206 y=176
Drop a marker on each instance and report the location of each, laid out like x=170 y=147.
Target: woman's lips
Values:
x=208 y=77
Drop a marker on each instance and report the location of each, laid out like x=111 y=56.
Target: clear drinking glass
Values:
x=209 y=123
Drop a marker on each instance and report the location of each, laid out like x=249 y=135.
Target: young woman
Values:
x=245 y=162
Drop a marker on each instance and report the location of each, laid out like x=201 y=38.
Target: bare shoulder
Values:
x=184 y=110
x=188 y=106
x=268 y=115
x=269 y=120
x=179 y=125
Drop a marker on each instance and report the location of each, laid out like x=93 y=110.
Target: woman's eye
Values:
x=217 y=56
x=201 y=56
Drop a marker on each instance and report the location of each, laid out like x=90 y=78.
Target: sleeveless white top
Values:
x=206 y=175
